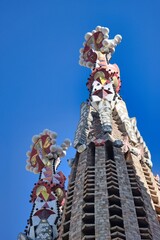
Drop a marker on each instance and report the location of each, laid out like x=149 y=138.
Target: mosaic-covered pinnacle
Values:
x=98 y=47
x=44 y=150
x=48 y=195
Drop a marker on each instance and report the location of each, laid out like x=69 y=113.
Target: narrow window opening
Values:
x=91 y=155
x=109 y=151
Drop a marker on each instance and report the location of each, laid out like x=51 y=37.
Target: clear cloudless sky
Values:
x=42 y=84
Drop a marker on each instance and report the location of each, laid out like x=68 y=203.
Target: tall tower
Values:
x=112 y=192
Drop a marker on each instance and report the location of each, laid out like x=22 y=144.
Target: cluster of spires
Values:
x=96 y=54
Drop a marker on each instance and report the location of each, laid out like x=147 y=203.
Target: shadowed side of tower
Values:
x=112 y=193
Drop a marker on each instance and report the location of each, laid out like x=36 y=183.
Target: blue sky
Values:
x=42 y=84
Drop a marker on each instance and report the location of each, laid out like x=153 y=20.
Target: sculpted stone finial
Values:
x=98 y=48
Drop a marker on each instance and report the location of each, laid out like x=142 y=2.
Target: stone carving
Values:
x=121 y=109
x=80 y=140
x=146 y=156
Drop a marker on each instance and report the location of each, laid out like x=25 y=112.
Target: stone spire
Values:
x=112 y=192
x=104 y=85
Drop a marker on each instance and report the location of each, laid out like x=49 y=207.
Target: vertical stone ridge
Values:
x=102 y=224
x=150 y=212
x=77 y=211
x=127 y=203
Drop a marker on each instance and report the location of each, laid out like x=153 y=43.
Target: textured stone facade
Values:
x=110 y=196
